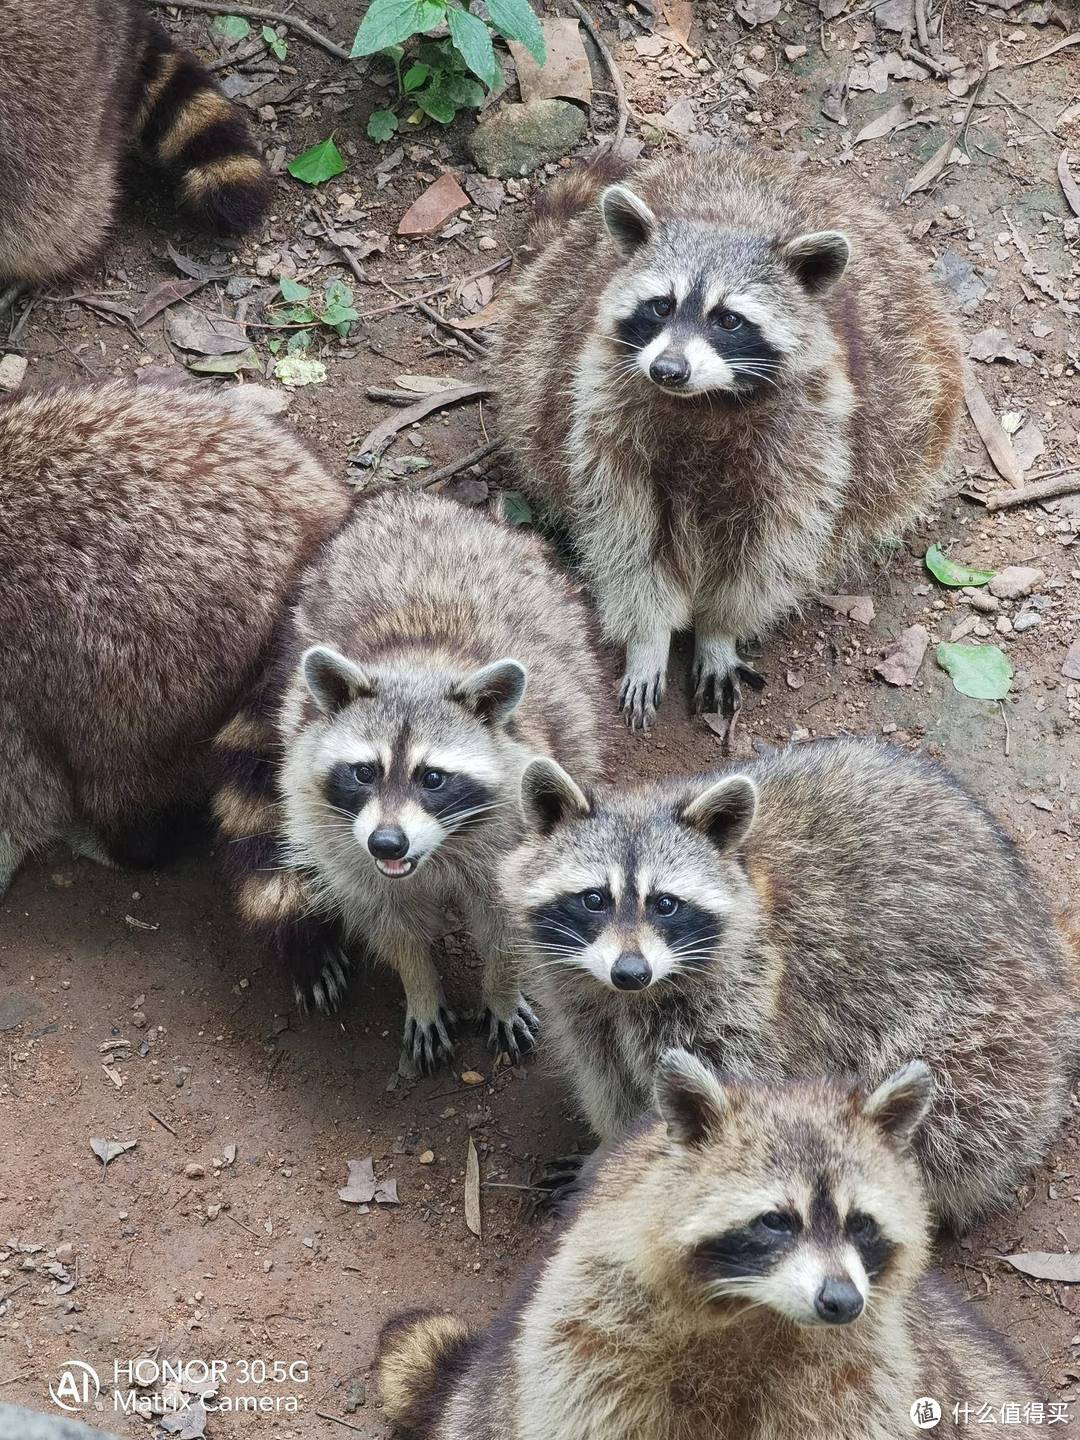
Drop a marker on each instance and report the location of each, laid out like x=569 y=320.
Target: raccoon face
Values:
x=627 y=888
x=802 y=1198
x=405 y=764
x=697 y=309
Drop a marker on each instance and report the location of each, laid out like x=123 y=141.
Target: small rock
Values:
x=12 y=370
x=472 y=1077
x=1026 y=620
x=904 y=656
x=1071 y=667
x=518 y=139
x=487 y=242
x=793 y=53
x=439 y=203
x=240 y=286
x=979 y=600
x=139 y=1020
x=1015 y=581
x=1004 y=625
x=213 y=1211
x=65 y=1254
x=427 y=1158
x=194 y=1171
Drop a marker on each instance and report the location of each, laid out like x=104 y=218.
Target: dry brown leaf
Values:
x=933 y=168
x=164 y=295
x=439 y=203
x=484 y=319
x=757 y=12
x=887 y=122
x=565 y=74
x=1068 y=184
x=904 y=656
x=1041 y=1265
x=855 y=607
x=998 y=445
x=679 y=15
x=472 y=1190
x=1045 y=54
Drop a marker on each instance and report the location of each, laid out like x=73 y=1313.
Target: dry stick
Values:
x=377 y=440
x=337 y=1420
x=235 y=1221
x=439 y=289
x=447 y=472
x=444 y=324
x=163 y=1123
x=613 y=70
x=1041 y=490
x=256 y=12
x=237 y=57
x=1012 y=105
x=343 y=250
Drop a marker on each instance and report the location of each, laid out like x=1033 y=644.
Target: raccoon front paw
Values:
x=429 y=1043
x=639 y=699
x=323 y=989
x=716 y=683
x=512 y=1031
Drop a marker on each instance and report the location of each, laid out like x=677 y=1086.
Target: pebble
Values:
x=1004 y=625
x=12 y=370
x=427 y=1158
x=1014 y=581
x=194 y=1171
x=979 y=600
x=487 y=242
x=213 y=1211
x=794 y=52
x=1026 y=620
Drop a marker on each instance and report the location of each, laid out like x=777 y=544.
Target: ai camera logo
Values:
x=925 y=1413
x=77 y=1388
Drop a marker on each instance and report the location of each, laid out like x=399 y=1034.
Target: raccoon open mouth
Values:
x=396 y=869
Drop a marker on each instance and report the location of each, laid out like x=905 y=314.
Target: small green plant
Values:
x=445 y=73
x=302 y=311
x=322 y=162
x=274 y=41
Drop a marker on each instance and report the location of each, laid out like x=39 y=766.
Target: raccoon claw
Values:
x=326 y=990
x=553 y=1186
x=429 y=1045
x=722 y=694
x=640 y=699
x=514 y=1035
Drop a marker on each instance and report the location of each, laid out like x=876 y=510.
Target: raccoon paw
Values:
x=429 y=1044
x=514 y=1032
x=324 y=989
x=639 y=699
x=554 y=1185
x=718 y=691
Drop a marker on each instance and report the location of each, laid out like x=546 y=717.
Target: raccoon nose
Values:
x=670 y=369
x=838 y=1302
x=388 y=842
x=631 y=972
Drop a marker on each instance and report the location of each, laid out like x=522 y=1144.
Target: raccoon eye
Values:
x=861 y=1226
x=364 y=774
x=662 y=306
x=780 y=1222
x=594 y=900
x=728 y=320
x=433 y=780
x=666 y=905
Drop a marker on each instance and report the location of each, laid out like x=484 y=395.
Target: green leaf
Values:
x=295 y=370
x=277 y=45
x=321 y=162
x=388 y=22
x=298 y=343
x=415 y=76
x=231 y=27
x=516 y=509
x=473 y=41
x=337 y=293
x=517 y=21
x=294 y=315
x=982 y=671
x=381 y=125
x=950 y=573
x=292 y=291
x=461 y=90
x=340 y=318
x=436 y=104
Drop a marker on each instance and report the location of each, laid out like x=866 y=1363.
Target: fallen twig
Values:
x=235 y=1221
x=1045 y=54
x=1069 y=484
x=343 y=250
x=377 y=440
x=443 y=324
x=256 y=12
x=447 y=472
x=337 y=1420
x=439 y=289
x=613 y=70
x=998 y=445
x=248 y=52
x=163 y=1123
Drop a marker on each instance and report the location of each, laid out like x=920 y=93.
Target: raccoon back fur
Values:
x=81 y=85
x=752 y=1269
x=749 y=381
x=148 y=540
x=433 y=653
x=833 y=909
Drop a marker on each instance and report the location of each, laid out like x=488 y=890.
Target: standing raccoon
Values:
x=753 y=1270
x=148 y=541
x=83 y=84
x=833 y=909
x=384 y=777
x=750 y=381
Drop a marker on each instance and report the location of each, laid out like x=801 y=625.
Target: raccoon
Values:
x=386 y=785
x=82 y=85
x=749 y=382
x=149 y=539
x=749 y=1266
x=834 y=908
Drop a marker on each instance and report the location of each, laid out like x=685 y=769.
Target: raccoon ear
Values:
x=724 y=811
x=689 y=1097
x=549 y=796
x=494 y=692
x=333 y=680
x=818 y=259
x=899 y=1104
x=629 y=220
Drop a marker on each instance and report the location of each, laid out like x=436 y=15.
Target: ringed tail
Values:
x=420 y=1354
x=193 y=132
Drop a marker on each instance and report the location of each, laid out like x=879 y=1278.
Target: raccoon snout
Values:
x=838 y=1302
x=388 y=842
x=631 y=972
x=670 y=369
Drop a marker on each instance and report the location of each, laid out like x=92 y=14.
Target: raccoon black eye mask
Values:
x=678 y=342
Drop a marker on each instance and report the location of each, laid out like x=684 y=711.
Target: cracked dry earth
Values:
x=132 y=1009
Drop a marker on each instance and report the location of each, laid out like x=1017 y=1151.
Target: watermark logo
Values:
x=77 y=1388
x=925 y=1413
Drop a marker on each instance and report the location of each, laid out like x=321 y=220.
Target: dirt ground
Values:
x=131 y=1009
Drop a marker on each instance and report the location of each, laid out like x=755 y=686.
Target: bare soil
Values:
x=178 y=1253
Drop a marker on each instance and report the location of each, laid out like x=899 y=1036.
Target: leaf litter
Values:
x=363 y=1187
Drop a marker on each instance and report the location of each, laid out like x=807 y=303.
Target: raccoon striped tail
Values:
x=421 y=1354
x=186 y=126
